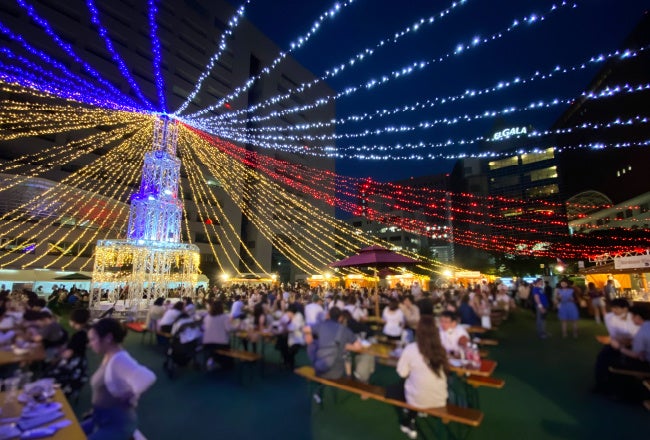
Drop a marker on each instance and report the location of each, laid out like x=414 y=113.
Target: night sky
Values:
x=567 y=37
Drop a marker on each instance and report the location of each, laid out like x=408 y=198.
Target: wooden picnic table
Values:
x=71 y=432
x=34 y=354
x=476 y=329
x=386 y=352
x=605 y=340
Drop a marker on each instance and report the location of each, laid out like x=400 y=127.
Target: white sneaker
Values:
x=411 y=433
x=317 y=398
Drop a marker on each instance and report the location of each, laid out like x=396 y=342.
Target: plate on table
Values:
x=41 y=409
x=456 y=363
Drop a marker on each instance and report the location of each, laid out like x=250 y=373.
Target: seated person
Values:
x=71 y=369
x=630 y=357
x=169 y=317
x=51 y=334
x=216 y=335
x=619 y=322
x=394 y=321
x=467 y=313
x=327 y=342
x=423 y=365
x=622 y=329
x=411 y=312
x=454 y=337
x=364 y=364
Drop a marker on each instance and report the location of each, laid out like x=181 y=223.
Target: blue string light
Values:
x=232 y=24
x=438 y=101
x=452 y=120
x=66 y=47
x=296 y=44
x=394 y=75
x=155 y=48
x=94 y=18
x=60 y=87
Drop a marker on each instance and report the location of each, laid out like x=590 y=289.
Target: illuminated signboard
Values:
x=509 y=132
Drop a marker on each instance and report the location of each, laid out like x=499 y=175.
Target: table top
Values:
x=605 y=340
x=72 y=432
x=385 y=352
x=7 y=356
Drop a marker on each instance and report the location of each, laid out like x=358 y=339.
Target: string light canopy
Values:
x=63 y=95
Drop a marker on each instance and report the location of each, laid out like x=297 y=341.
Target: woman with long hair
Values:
x=423 y=365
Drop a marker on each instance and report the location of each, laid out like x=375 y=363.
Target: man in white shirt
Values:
x=619 y=321
x=314 y=312
x=634 y=357
x=452 y=335
x=622 y=329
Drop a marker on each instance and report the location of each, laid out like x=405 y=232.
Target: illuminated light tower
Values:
x=152 y=259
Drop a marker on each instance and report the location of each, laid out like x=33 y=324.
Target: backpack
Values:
x=326 y=356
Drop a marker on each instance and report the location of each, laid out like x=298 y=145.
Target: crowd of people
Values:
x=26 y=321
x=429 y=329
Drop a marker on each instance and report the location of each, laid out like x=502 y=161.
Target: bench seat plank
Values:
x=241 y=355
x=449 y=413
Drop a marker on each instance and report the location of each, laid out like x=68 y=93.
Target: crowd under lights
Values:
x=42 y=96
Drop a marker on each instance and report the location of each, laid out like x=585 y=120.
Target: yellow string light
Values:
x=110 y=161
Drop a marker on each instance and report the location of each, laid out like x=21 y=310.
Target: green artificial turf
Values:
x=547 y=396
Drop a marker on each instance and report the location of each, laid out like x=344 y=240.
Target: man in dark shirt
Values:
x=327 y=342
x=425 y=304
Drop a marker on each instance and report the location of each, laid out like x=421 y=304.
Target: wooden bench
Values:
x=245 y=358
x=450 y=413
x=641 y=375
x=484 y=341
x=240 y=355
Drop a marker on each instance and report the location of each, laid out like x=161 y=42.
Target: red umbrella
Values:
x=376 y=257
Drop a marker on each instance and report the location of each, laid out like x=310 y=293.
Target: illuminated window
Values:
x=537 y=157
x=544 y=173
x=507 y=162
x=542 y=191
x=503 y=181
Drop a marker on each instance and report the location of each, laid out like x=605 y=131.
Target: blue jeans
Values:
x=541 y=322
x=111 y=424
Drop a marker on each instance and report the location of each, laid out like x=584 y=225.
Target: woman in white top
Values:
x=216 y=336
x=424 y=366
x=394 y=320
x=296 y=337
x=116 y=385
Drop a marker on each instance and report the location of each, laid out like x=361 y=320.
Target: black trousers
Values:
x=405 y=417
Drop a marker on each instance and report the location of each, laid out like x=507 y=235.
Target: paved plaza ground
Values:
x=547 y=396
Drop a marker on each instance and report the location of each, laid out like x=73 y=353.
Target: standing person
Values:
x=610 y=290
x=597 y=297
x=541 y=307
x=116 y=385
x=567 y=308
x=295 y=337
x=423 y=365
